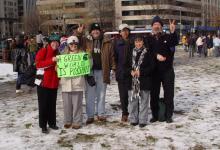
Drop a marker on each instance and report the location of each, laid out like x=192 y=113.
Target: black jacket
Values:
x=20 y=59
x=163 y=44
x=146 y=70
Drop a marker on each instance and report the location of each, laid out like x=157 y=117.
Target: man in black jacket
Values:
x=162 y=46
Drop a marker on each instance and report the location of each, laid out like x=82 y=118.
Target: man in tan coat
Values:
x=102 y=55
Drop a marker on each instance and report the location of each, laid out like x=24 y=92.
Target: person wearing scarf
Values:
x=140 y=66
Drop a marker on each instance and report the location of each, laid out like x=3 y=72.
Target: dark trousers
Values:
x=20 y=80
x=167 y=80
x=123 y=94
x=47 y=106
x=200 y=50
x=39 y=46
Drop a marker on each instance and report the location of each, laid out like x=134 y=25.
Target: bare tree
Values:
x=103 y=11
x=31 y=22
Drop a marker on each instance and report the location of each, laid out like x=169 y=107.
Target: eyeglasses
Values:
x=72 y=43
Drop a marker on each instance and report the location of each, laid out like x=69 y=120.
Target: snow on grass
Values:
x=196 y=119
x=6 y=72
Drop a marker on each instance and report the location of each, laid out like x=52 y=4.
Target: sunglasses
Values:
x=73 y=43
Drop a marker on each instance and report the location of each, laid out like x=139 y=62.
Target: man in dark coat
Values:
x=20 y=62
x=162 y=46
x=122 y=48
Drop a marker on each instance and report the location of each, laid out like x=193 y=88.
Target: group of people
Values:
x=204 y=45
x=141 y=65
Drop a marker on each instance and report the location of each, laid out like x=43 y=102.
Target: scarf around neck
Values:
x=135 y=93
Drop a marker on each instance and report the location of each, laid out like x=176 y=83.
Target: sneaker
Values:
x=67 y=126
x=76 y=126
x=134 y=124
x=142 y=125
x=152 y=120
x=89 y=120
x=124 y=118
x=54 y=127
x=19 y=91
x=45 y=130
x=169 y=120
x=101 y=118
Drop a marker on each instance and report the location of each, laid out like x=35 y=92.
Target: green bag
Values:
x=162 y=110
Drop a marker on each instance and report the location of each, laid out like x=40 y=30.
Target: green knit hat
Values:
x=54 y=37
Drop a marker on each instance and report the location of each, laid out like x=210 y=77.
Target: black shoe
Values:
x=54 y=127
x=45 y=130
x=152 y=120
x=169 y=120
x=134 y=124
x=142 y=125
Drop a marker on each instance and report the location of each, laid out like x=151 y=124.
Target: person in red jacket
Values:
x=47 y=89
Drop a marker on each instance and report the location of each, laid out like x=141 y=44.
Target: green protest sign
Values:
x=72 y=65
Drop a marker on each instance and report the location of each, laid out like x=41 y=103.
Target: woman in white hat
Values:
x=72 y=91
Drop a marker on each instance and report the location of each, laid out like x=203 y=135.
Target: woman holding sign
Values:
x=47 y=84
x=72 y=91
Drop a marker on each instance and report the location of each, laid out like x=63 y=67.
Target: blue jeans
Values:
x=96 y=94
x=20 y=80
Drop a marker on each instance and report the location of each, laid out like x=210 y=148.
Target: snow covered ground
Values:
x=196 y=119
x=6 y=72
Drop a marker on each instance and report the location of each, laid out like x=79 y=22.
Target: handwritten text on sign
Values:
x=72 y=65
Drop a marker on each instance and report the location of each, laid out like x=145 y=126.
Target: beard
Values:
x=157 y=30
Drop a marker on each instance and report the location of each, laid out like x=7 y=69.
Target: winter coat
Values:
x=163 y=44
x=107 y=54
x=199 y=41
x=121 y=49
x=146 y=70
x=44 y=60
x=209 y=42
x=72 y=83
x=20 y=59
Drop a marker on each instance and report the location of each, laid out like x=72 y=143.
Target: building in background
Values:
x=27 y=16
x=61 y=15
x=8 y=17
x=139 y=13
x=210 y=13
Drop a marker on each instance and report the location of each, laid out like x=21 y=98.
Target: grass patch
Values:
x=28 y=125
x=62 y=132
x=151 y=140
x=169 y=138
x=198 y=147
x=86 y=138
x=64 y=142
x=172 y=147
x=104 y=145
x=179 y=126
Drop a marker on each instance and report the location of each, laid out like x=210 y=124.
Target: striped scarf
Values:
x=135 y=92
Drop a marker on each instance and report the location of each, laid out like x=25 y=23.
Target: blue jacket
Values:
x=121 y=50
